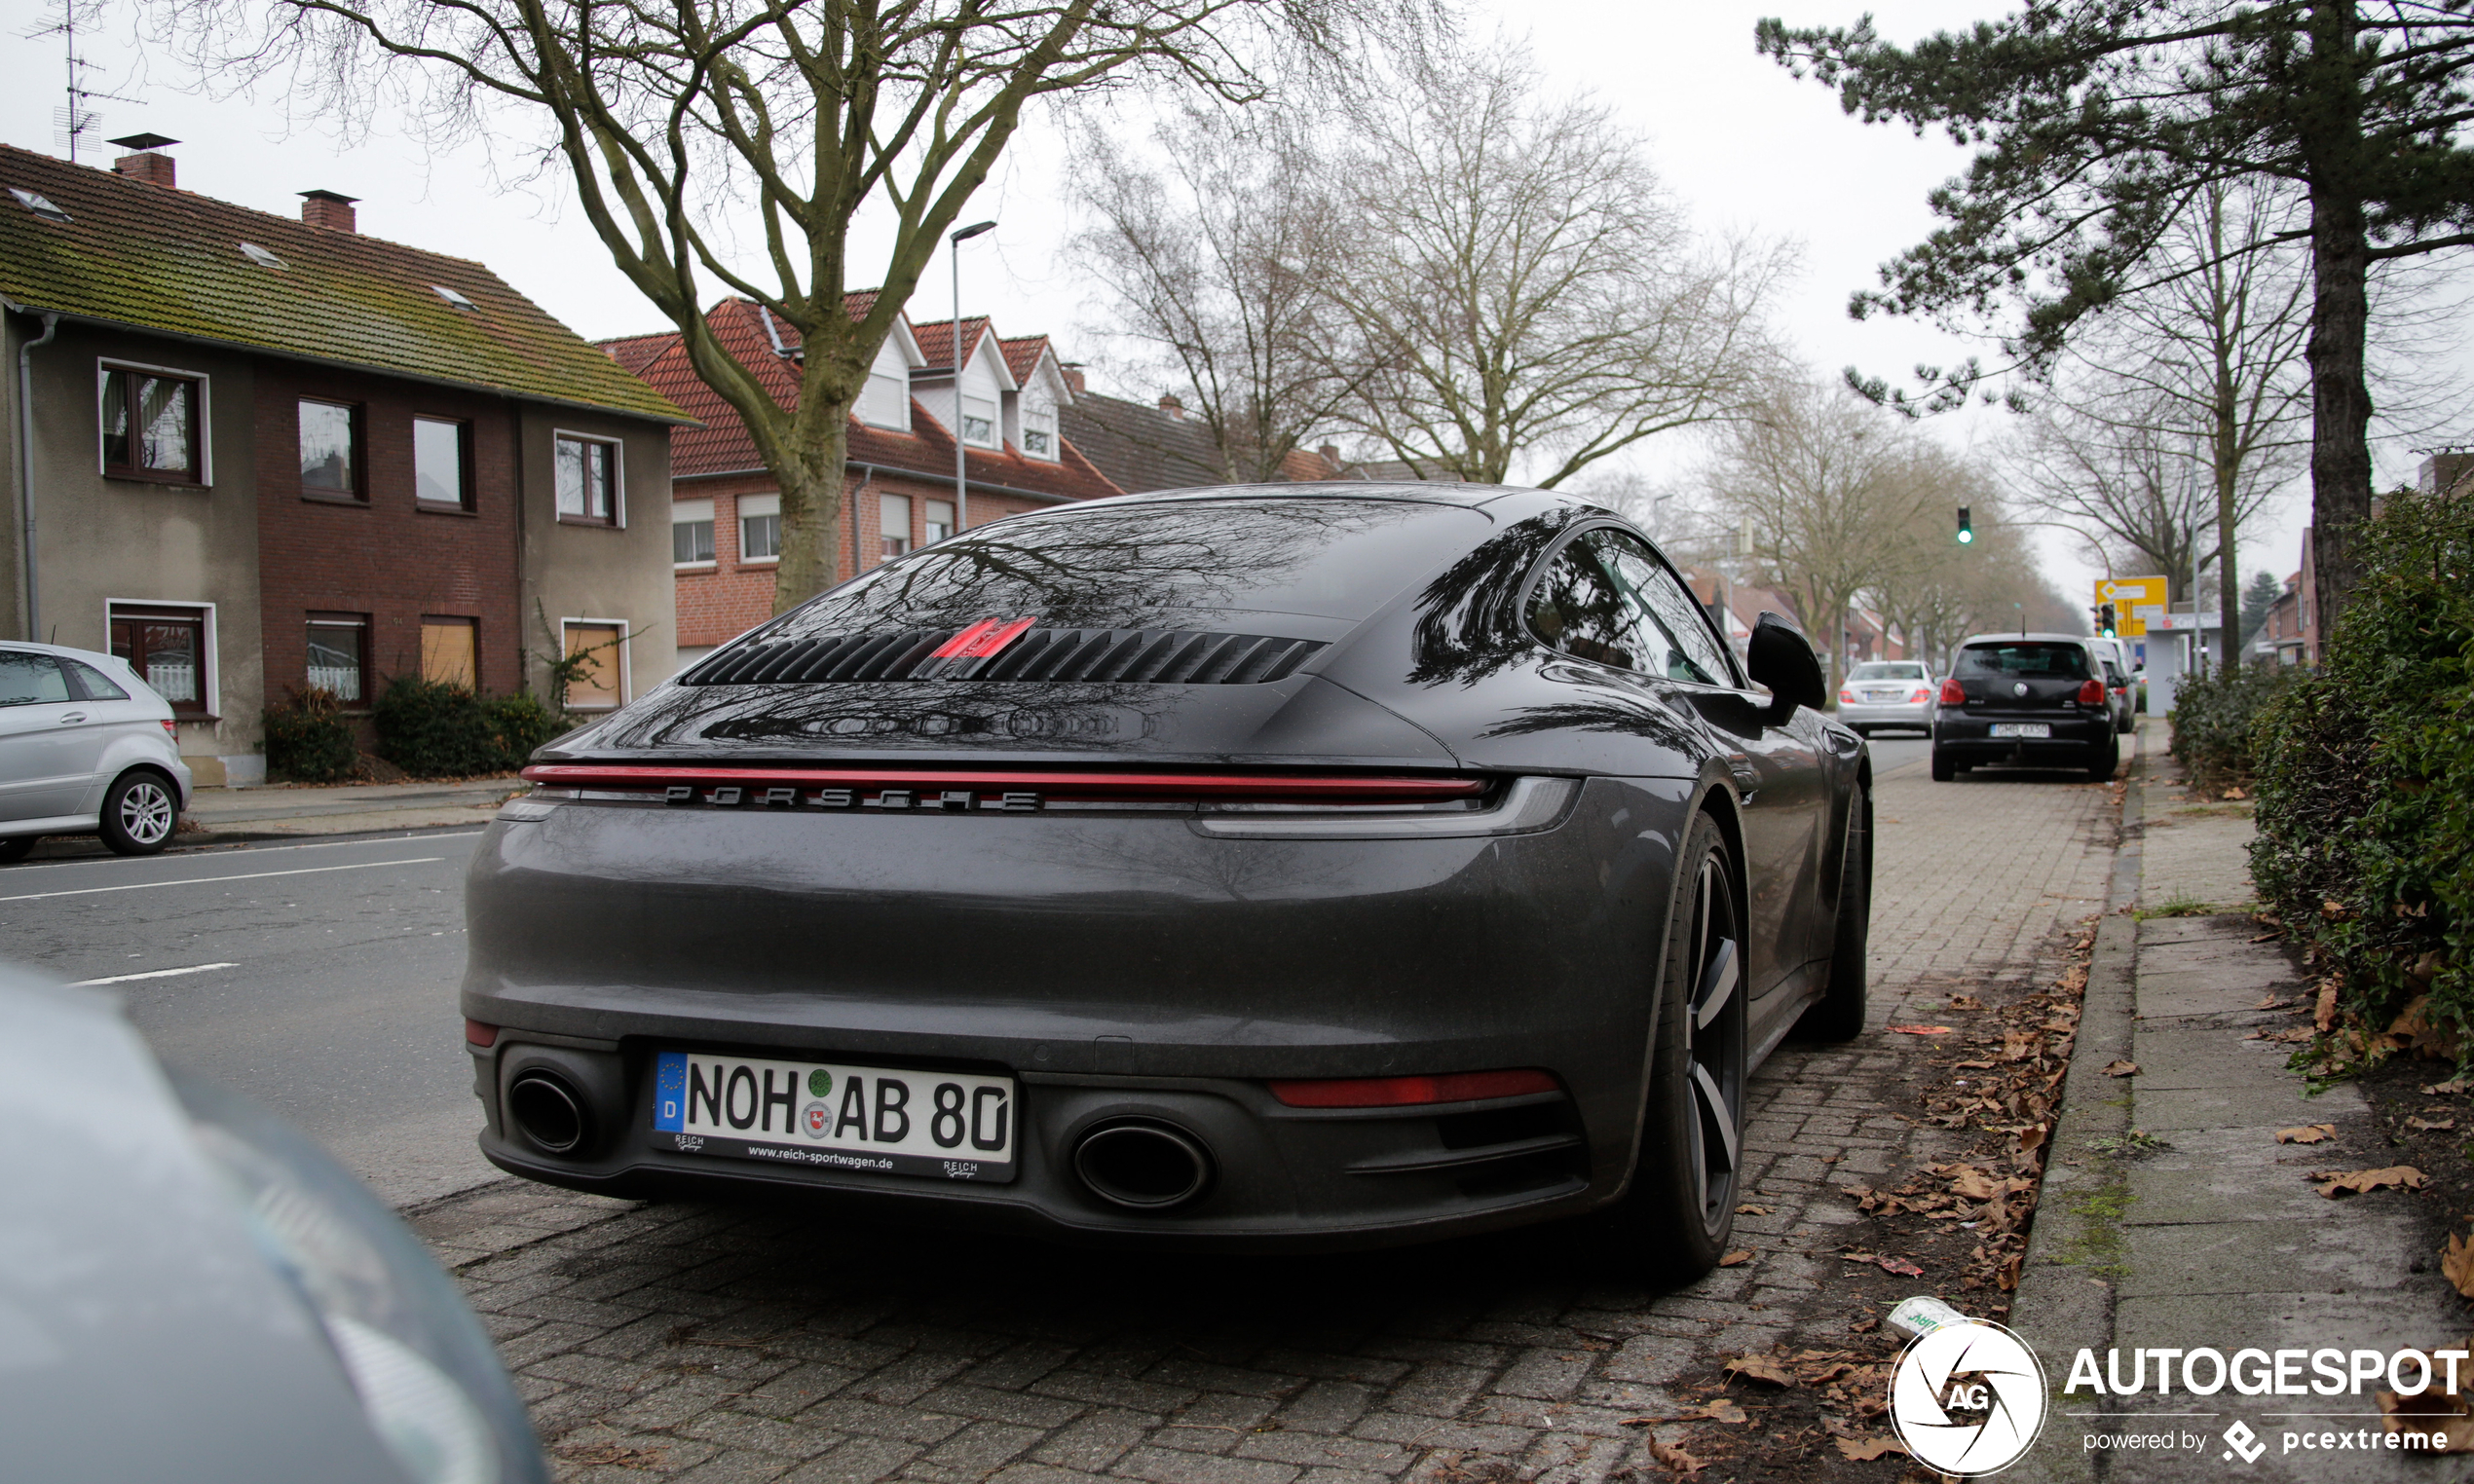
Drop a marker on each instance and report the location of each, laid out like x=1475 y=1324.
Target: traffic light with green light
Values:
x=2104 y=621
x=1966 y=528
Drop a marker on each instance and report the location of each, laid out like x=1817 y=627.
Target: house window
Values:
x=338 y=655
x=167 y=646
x=886 y=402
x=442 y=462
x=1039 y=431
x=979 y=422
x=600 y=681
x=760 y=527
x=588 y=481
x=450 y=650
x=893 y=522
x=940 y=519
x=330 y=450
x=692 y=532
x=151 y=428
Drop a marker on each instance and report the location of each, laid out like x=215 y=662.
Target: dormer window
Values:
x=1039 y=430
x=451 y=297
x=260 y=256
x=979 y=422
x=38 y=206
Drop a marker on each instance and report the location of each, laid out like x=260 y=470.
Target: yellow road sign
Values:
x=2135 y=600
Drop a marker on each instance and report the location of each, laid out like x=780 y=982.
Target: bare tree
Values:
x=683 y=124
x=1517 y=286
x=1214 y=248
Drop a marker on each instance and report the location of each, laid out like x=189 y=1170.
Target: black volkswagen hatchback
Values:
x=1300 y=865
x=2033 y=700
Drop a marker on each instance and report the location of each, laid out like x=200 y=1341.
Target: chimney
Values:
x=1073 y=376
x=1171 y=405
x=329 y=209
x=145 y=163
x=1329 y=453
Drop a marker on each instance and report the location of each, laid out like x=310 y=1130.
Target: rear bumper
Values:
x=1970 y=734
x=1117 y=967
x=1902 y=714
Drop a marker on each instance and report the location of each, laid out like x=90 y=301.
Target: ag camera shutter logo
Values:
x=1967 y=1397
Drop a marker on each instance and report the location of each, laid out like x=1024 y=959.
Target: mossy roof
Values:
x=137 y=254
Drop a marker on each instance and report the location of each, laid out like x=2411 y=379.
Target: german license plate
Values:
x=825 y=1115
x=2022 y=729
x=1881 y=696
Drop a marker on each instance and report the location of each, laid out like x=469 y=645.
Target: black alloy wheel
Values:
x=2107 y=762
x=1944 y=770
x=1680 y=1208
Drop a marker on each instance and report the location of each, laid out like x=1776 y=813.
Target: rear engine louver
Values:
x=1115 y=657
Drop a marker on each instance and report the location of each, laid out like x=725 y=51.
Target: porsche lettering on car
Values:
x=1289 y=865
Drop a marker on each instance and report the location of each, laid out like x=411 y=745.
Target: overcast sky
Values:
x=1738 y=141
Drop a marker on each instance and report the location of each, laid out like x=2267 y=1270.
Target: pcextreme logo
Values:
x=1967 y=1397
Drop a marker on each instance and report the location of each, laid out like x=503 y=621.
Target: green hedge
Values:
x=2216 y=721
x=2366 y=780
x=307 y=741
x=435 y=730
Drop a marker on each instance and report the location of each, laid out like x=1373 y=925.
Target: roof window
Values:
x=39 y=207
x=451 y=297
x=260 y=256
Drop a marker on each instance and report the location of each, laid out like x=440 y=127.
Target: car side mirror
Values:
x=1781 y=659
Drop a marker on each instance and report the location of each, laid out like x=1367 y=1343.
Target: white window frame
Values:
x=1056 y=441
x=617 y=479
x=683 y=512
x=211 y=685
x=996 y=421
x=104 y=365
x=626 y=642
x=738 y=522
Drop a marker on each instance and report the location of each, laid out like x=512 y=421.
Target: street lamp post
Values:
x=962 y=469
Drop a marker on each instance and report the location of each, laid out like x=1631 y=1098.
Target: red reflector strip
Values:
x=1367 y=789
x=1408 y=1092
x=961 y=641
x=479 y=1034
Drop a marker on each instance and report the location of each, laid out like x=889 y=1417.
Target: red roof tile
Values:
x=936 y=337
x=1022 y=357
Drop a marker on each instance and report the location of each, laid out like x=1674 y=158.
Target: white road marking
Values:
x=250 y=875
x=217 y=852
x=123 y=979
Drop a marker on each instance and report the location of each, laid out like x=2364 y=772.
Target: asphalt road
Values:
x=318 y=978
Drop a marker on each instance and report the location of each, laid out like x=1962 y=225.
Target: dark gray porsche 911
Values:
x=1303 y=864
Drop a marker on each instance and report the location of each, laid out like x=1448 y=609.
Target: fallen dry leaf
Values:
x=1918 y=1030
x=2456 y=1264
x=1752 y=1211
x=1865 y=1450
x=1677 y=1460
x=2032 y=1138
x=2447 y=1088
x=1965 y=1002
x=2306 y=1133
x=1759 y=1368
x=2417 y=1120
x=1737 y=1258
x=2121 y=1068
x=1902 y=1269
x=2433 y=1411
x=1721 y=1409
x=2323 y=1014
x=2339 y=1181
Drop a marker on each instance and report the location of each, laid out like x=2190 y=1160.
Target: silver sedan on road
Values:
x=1887 y=693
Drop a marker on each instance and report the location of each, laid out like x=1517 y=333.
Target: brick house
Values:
x=726 y=510
x=250 y=454
x=1146 y=446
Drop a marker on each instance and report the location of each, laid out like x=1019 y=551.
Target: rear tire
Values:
x=2107 y=762
x=1839 y=1014
x=139 y=811
x=16 y=847
x=1943 y=769
x=1675 y=1219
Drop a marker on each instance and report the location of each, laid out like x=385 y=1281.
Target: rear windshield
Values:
x=1141 y=565
x=1880 y=671
x=2028 y=659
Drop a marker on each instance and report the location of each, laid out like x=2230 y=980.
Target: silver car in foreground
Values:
x=1887 y=693
x=85 y=748
x=190 y=1290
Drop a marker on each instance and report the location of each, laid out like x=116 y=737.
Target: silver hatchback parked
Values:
x=1887 y=693
x=85 y=748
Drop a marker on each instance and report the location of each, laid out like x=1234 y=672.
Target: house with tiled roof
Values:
x=251 y=455
x=1146 y=446
x=901 y=490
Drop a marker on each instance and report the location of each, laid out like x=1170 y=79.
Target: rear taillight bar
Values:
x=1412 y=1092
x=1054 y=785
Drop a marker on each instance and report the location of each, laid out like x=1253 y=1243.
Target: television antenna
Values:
x=78 y=121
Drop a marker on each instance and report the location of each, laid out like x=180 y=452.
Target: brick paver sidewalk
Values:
x=709 y=1341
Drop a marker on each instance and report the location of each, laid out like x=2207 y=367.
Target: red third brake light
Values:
x=1953 y=694
x=1408 y=1092
x=2091 y=692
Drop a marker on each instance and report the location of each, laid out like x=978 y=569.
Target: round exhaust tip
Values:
x=1144 y=1167
x=547 y=1112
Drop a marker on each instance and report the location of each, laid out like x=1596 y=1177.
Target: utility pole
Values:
x=962 y=465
